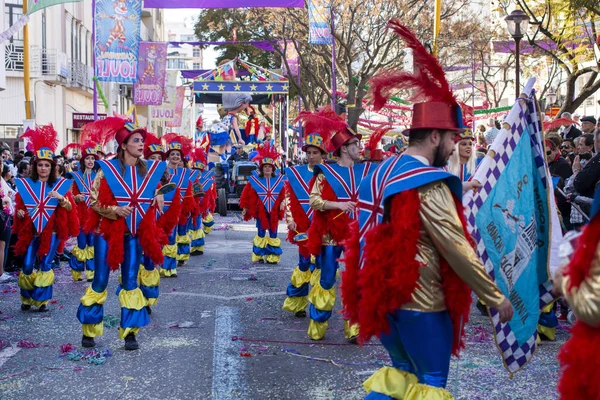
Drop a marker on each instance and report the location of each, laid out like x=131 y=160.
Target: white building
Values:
x=61 y=71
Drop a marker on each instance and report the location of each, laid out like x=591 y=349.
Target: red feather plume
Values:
x=266 y=151
x=325 y=121
x=103 y=130
x=557 y=123
x=42 y=136
x=186 y=143
x=198 y=154
x=428 y=82
x=376 y=137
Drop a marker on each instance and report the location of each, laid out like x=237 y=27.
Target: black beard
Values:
x=438 y=159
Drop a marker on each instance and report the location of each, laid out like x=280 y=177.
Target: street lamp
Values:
x=517 y=22
x=551 y=96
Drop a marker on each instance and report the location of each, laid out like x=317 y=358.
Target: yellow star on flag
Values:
x=221 y=87
x=269 y=87
x=237 y=86
x=253 y=87
x=284 y=88
x=205 y=86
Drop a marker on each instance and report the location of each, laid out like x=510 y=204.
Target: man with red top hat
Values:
x=177 y=252
x=124 y=200
x=409 y=262
x=45 y=216
x=82 y=255
x=333 y=198
x=298 y=215
x=261 y=200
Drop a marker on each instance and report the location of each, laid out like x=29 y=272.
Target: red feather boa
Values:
x=168 y=221
x=579 y=355
x=187 y=206
x=300 y=218
x=62 y=222
x=327 y=222
x=255 y=208
x=208 y=202
x=390 y=272
x=82 y=208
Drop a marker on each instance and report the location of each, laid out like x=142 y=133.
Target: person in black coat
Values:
x=560 y=169
x=570 y=132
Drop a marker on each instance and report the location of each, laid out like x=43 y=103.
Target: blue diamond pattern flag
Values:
x=516 y=228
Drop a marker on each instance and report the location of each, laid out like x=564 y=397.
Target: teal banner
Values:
x=36 y=5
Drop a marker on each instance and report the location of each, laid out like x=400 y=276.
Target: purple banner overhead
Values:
x=117 y=32
x=152 y=66
x=223 y=3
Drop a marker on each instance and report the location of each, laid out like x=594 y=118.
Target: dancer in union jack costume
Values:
x=298 y=215
x=45 y=216
x=125 y=199
x=82 y=255
x=177 y=252
x=149 y=276
x=205 y=200
x=579 y=283
x=333 y=198
x=261 y=200
x=409 y=261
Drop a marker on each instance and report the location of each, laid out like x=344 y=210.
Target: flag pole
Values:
x=333 y=63
x=95 y=98
x=436 y=25
x=26 y=76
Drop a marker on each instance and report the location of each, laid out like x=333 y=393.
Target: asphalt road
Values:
x=218 y=332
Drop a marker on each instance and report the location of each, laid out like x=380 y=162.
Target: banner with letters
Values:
x=223 y=3
x=319 y=30
x=116 y=46
x=178 y=114
x=152 y=67
x=516 y=227
x=292 y=57
x=166 y=111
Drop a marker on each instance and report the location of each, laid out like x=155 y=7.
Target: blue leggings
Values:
x=421 y=343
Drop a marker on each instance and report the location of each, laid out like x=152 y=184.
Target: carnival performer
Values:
x=45 y=216
x=579 y=283
x=372 y=152
x=463 y=162
x=125 y=198
x=261 y=200
x=409 y=262
x=149 y=276
x=205 y=199
x=82 y=255
x=177 y=251
x=333 y=199
x=298 y=215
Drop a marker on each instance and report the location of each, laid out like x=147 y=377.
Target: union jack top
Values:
x=299 y=176
x=267 y=189
x=133 y=190
x=39 y=206
x=395 y=175
x=345 y=181
x=84 y=183
x=207 y=178
x=181 y=178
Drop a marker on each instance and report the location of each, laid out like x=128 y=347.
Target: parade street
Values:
x=218 y=332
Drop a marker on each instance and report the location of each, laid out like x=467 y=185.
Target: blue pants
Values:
x=37 y=290
x=328 y=261
x=420 y=343
x=131 y=318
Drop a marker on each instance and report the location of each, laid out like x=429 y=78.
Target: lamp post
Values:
x=517 y=22
x=551 y=96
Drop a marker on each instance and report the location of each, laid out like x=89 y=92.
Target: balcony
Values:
x=55 y=67
x=81 y=77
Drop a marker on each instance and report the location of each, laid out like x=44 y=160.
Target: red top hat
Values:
x=332 y=129
x=435 y=105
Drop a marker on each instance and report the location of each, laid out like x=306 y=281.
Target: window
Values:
x=197 y=66
x=197 y=52
x=12 y=13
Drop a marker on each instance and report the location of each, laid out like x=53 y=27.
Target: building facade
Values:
x=61 y=70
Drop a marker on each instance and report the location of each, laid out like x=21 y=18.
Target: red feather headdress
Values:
x=103 y=131
x=43 y=140
x=428 y=82
x=153 y=145
x=87 y=148
x=370 y=151
x=557 y=123
x=177 y=142
x=267 y=154
x=332 y=128
x=198 y=157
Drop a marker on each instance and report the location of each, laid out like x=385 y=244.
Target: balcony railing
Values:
x=81 y=74
x=14 y=57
